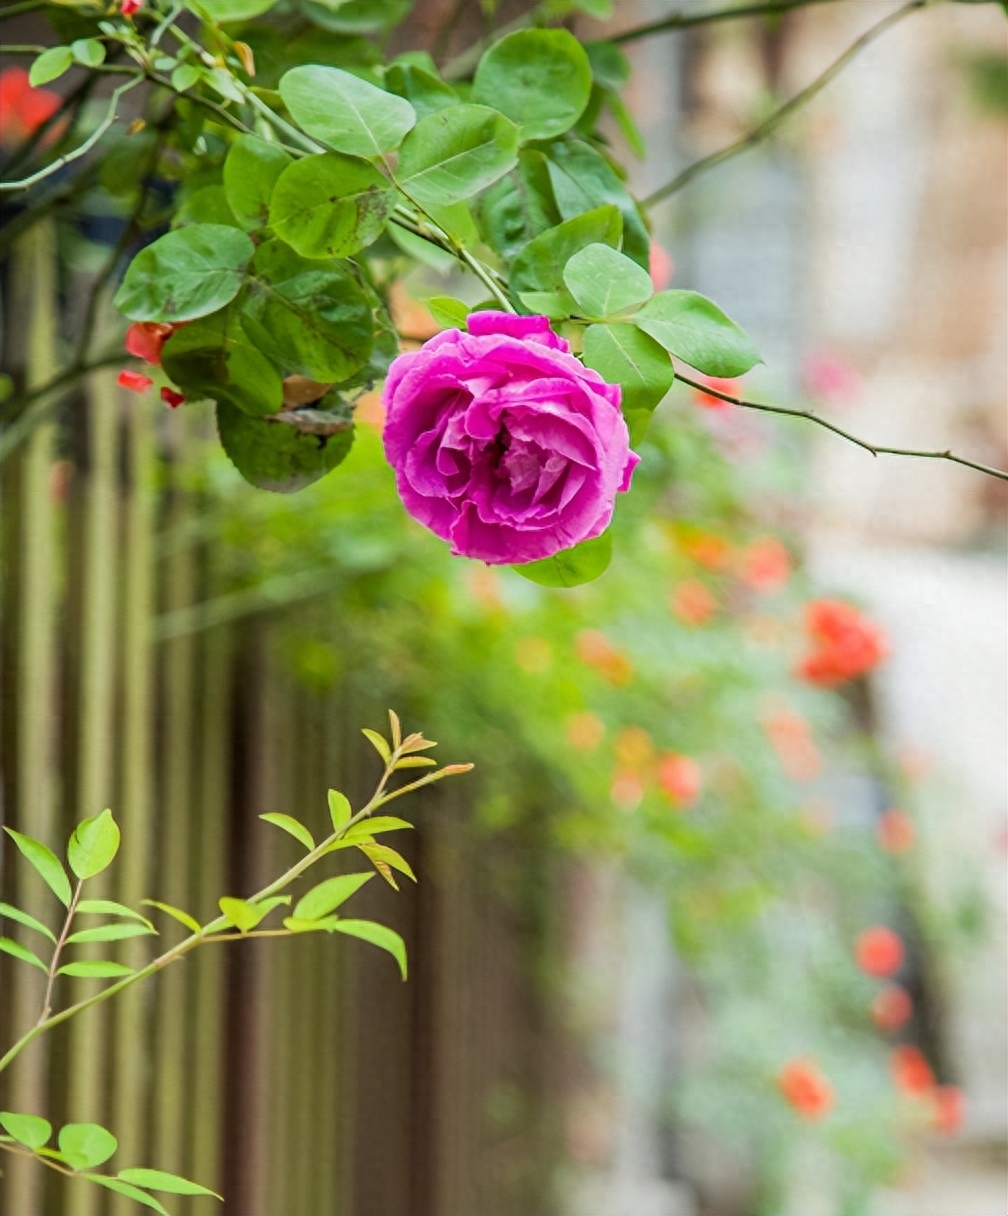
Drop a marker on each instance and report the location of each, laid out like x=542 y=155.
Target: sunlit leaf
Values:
x=571 y=567
x=24 y=918
x=378 y=742
x=242 y=914
x=377 y=935
x=604 y=281
x=16 y=950
x=292 y=826
x=541 y=79
x=455 y=153
x=340 y=811
x=131 y=1192
x=694 y=329
x=329 y=895
x=108 y=907
x=110 y=933
x=183 y=918
x=382 y=853
x=93 y=845
x=160 y=1180
x=96 y=969
x=30 y=1130
x=86 y=1145
x=345 y=112
x=45 y=862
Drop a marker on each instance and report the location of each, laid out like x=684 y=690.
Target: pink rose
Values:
x=502 y=442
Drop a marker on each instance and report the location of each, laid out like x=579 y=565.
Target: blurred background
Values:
x=648 y=901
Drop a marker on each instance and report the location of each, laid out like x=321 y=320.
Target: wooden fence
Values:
x=300 y=1078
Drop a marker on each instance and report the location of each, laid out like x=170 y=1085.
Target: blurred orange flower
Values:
x=891 y=1007
x=806 y=1089
x=791 y=738
x=627 y=790
x=634 y=747
x=585 y=731
x=692 y=602
x=879 y=951
x=895 y=831
x=595 y=649
x=705 y=549
x=766 y=565
x=680 y=779
x=950 y=1109
x=708 y=400
x=845 y=643
x=910 y=1070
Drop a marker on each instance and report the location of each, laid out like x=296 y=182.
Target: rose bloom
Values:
x=805 y=1089
x=503 y=443
x=22 y=108
x=879 y=951
x=910 y=1070
x=891 y=1008
x=692 y=603
x=845 y=643
x=895 y=831
x=766 y=565
x=680 y=778
x=950 y=1109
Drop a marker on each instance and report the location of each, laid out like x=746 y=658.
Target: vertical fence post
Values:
x=130 y=1059
x=34 y=290
x=88 y=1035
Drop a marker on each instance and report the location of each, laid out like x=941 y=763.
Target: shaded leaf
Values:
x=623 y=355
x=292 y=826
x=275 y=456
x=329 y=895
x=250 y=173
x=45 y=862
x=86 y=1145
x=26 y=919
x=425 y=92
x=540 y=265
x=571 y=567
x=377 y=935
x=583 y=179
x=93 y=845
x=330 y=206
x=447 y=311
x=213 y=357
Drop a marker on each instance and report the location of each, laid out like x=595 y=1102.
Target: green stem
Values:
x=684 y=21
x=208 y=931
x=770 y=124
x=876 y=449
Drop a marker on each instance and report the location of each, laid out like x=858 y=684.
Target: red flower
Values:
x=136 y=382
x=171 y=398
x=895 y=831
x=145 y=339
x=766 y=564
x=22 y=108
x=692 y=603
x=911 y=1072
x=710 y=402
x=845 y=643
x=661 y=266
x=129 y=7
x=805 y=1089
x=680 y=779
x=891 y=1007
x=879 y=951
x=950 y=1109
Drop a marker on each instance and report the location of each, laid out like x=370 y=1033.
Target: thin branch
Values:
x=876 y=449
x=57 y=951
x=770 y=124
x=82 y=149
x=685 y=21
x=14 y=10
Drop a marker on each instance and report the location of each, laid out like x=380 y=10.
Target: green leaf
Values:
x=447 y=311
x=377 y=935
x=557 y=305
x=110 y=933
x=243 y=915
x=275 y=456
x=184 y=77
x=86 y=1145
x=455 y=153
x=571 y=567
x=695 y=330
x=609 y=64
x=159 y=1180
x=378 y=742
x=540 y=265
x=541 y=79
x=519 y=207
x=207 y=205
x=381 y=823
x=623 y=355
x=8 y=946
x=605 y=282
x=326 y=923
x=415 y=762
x=381 y=854
x=344 y=111
x=309 y=318
x=340 y=811
x=131 y=1192
x=183 y=918
x=294 y=827
x=330 y=206
x=270 y=902
x=222 y=11
x=358 y=16
x=93 y=845
x=582 y=179
x=108 y=907
x=96 y=969
x=30 y=1130
x=214 y=357
x=329 y=895
x=50 y=65
x=250 y=173
x=421 y=88
x=88 y=51
x=185 y=274
x=24 y=918
x=45 y=862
